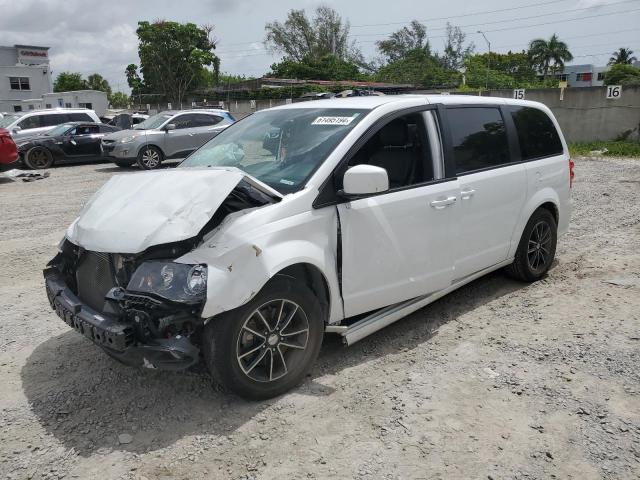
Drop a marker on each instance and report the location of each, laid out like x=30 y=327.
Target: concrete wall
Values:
x=585 y=114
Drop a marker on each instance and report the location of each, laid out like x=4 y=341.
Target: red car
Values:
x=8 y=150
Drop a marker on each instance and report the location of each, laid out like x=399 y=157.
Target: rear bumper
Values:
x=113 y=334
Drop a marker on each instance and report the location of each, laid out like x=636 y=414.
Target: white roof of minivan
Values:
x=371 y=102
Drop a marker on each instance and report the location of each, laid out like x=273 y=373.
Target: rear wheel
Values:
x=266 y=347
x=150 y=157
x=537 y=247
x=38 y=157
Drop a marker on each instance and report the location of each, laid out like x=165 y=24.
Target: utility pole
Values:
x=486 y=85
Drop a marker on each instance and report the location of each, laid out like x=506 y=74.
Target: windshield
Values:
x=153 y=122
x=7 y=120
x=59 y=130
x=281 y=148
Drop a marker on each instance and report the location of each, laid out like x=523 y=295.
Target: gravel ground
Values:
x=497 y=380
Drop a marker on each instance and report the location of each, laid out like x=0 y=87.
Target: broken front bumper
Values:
x=114 y=335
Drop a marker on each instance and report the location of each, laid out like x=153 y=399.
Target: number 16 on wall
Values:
x=518 y=93
x=614 y=91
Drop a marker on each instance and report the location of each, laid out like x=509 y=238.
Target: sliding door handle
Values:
x=467 y=194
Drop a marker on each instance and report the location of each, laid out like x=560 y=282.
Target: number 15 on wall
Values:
x=518 y=93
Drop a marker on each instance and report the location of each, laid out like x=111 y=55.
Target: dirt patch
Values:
x=497 y=380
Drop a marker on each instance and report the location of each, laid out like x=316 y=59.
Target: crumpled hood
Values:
x=133 y=212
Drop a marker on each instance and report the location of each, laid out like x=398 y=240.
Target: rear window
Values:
x=537 y=134
x=79 y=117
x=479 y=138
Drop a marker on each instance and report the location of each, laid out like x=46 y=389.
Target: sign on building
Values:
x=614 y=91
x=252 y=104
x=518 y=93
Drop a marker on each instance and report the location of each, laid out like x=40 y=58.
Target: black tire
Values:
x=150 y=157
x=537 y=247
x=230 y=338
x=38 y=158
x=122 y=164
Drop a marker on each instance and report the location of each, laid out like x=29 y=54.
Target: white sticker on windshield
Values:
x=333 y=120
x=286 y=182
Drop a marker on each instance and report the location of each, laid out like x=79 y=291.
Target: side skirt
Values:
x=388 y=315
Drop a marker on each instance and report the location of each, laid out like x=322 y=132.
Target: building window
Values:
x=19 y=83
x=67 y=105
x=583 y=77
x=47 y=105
x=562 y=77
x=600 y=76
x=85 y=105
x=30 y=107
x=17 y=108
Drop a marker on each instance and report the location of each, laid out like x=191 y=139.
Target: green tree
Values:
x=622 y=74
x=173 y=56
x=418 y=68
x=95 y=81
x=622 y=56
x=299 y=37
x=508 y=70
x=455 y=48
x=326 y=67
x=119 y=100
x=549 y=55
x=401 y=42
x=69 y=81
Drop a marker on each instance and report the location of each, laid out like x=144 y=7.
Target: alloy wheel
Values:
x=272 y=340
x=539 y=246
x=38 y=158
x=150 y=158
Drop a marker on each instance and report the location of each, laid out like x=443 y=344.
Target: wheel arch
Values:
x=547 y=199
x=313 y=278
x=154 y=145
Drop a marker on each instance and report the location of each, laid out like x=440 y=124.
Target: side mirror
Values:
x=169 y=126
x=16 y=129
x=365 y=179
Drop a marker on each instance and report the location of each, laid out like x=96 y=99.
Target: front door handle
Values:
x=467 y=194
x=442 y=203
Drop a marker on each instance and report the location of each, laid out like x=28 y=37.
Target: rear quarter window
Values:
x=79 y=117
x=537 y=134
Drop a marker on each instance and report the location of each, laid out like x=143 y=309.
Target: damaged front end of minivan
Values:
x=117 y=278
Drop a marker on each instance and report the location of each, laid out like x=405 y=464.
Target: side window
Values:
x=87 y=129
x=30 y=122
x=400 y=147
x=479 y=138
x=184 y=121
x=537 y=134
x=203 y=120
x=54 y=119
x=79 y=117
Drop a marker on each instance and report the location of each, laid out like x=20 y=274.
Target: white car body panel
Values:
x=133 y=212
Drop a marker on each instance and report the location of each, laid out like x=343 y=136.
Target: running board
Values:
x=393 y=313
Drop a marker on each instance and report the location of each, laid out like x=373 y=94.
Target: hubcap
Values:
x=272 y=340
x=539 y=247
x=150 y=158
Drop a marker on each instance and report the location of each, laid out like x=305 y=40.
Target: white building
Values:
x=25 y=76
x=91 y=99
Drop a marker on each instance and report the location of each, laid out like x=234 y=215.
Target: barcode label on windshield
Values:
x=332 y=121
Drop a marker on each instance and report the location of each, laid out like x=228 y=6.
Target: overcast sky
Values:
x=100 y=37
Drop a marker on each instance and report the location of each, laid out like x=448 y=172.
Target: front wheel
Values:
x=537 y=247
x=267 y=346
x=150 y=157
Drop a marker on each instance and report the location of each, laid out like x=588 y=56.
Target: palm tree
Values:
x=622 y=56
x=543 y=52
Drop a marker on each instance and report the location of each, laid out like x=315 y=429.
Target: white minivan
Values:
x=339 y=216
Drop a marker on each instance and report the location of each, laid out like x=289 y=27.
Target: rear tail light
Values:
x=571 y=173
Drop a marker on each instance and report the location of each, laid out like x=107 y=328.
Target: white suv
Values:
x=335 y=216
x=36 y=122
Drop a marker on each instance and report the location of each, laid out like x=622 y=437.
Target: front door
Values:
x=184 y=138
x=396 y=245
x=493 y=188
